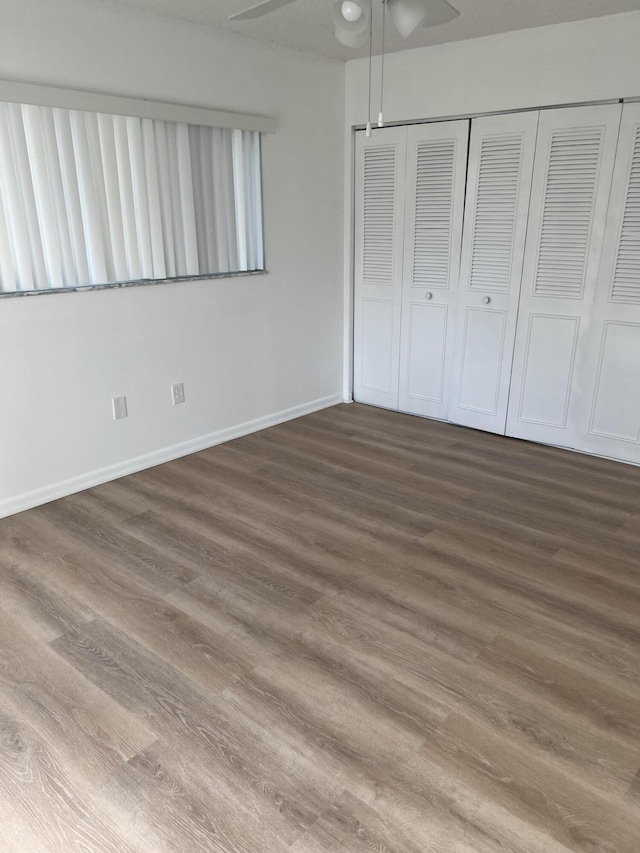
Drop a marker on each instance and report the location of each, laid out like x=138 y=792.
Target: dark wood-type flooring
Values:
x=357 y=631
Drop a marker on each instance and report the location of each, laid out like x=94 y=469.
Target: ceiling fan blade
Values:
x=407 y=15
x=439 y=12
x=260 y=9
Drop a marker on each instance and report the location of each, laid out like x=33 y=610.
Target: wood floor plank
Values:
x=356 y=631
x=50 y=811
x=558 y=808
x=576 y=592
x=570 y=473
x=633 y=794
x=347 y=457
x=364 y=513
x=181 y=806
x=86 y=729
x=260 y=622
x=426 y=507
x=196 y=649
x=543 y=721
x=610 y=706
x=75 y=531
x=107 y=504
x=349 y=824
x=233 y=747
x=27 y=592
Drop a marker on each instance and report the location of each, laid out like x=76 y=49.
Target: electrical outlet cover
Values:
x=177 y=393
x=119 y=407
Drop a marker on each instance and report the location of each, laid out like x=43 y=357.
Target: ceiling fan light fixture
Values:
x=351 y=17
x=407 y=15
x=353 y=40
x=351 y=11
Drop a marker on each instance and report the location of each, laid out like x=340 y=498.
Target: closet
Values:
x=497 y=274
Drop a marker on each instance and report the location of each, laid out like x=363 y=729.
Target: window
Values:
x=93 y=198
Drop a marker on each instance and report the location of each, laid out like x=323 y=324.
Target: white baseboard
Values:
x=52 y=492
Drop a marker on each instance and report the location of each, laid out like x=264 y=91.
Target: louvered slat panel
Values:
x=571 y=183
x=626 y=277
x=496 y=210
x=379 y=213
x=433 y=213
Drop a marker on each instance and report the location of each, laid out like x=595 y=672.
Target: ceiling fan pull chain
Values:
x=384 y=17
x=370 y=61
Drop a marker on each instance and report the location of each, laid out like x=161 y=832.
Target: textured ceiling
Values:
x=306 y=24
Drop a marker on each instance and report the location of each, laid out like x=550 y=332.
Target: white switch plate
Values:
x=177 y=393
x=119 y=407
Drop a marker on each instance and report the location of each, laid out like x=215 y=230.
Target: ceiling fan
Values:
x=352 y=18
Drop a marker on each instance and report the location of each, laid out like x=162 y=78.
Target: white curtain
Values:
x=89 y=198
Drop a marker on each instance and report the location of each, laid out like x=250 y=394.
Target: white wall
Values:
x=588 y=60
x=597 y=59
x=249 y=350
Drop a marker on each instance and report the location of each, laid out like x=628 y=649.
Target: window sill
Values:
x=146 y=282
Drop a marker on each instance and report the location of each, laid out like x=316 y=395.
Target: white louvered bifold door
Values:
x=501 y=156
x=436 y=171
x=570 y=193
x=609 y=373
x=379 y=218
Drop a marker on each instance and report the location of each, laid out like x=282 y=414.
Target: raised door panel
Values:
x=427 y=328
x=615 y=413
x=548 y=370
x=496 y=210
x=570 y=192
x=436 y=170
x=379 y=224
x=609 y=421
x=481 y=360
x=376 y=328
